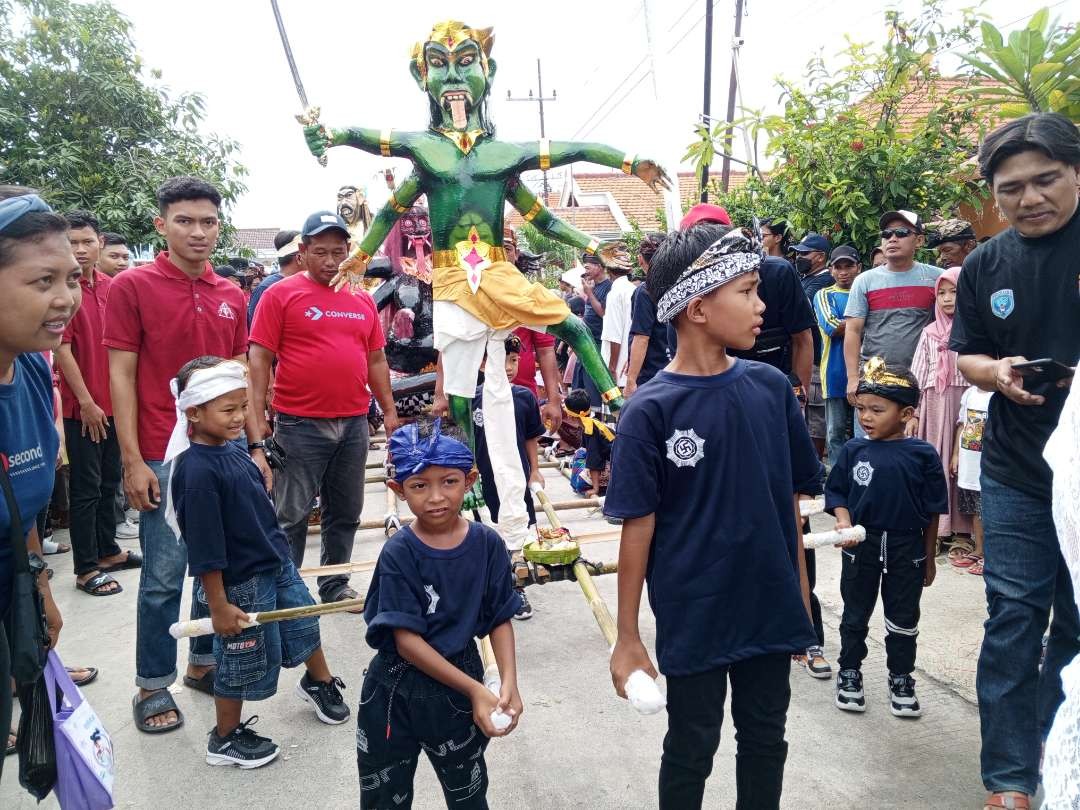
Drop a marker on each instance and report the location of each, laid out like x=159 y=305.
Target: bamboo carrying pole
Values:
x=205 y=627
x=559 y=506
x=641 y=690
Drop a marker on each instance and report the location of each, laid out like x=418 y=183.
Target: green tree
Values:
x=1036 y=70
x=847 y=147
x=81 y=121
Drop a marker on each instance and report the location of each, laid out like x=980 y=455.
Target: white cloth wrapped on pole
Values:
x=643 y=693
x=831 y=538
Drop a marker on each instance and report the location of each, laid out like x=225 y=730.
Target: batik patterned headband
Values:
x=729 y=257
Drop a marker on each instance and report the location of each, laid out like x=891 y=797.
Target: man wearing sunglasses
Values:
x=889 y=305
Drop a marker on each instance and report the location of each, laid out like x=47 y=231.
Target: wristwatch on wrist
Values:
x=259 y=445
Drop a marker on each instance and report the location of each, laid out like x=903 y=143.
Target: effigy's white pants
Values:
x=463 y=340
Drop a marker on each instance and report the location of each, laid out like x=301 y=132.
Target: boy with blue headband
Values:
x=438 y=584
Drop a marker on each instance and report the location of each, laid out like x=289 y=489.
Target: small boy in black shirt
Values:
x=596 y=440
x=240 y=554
x=895 y=488
x=708 y=459
x=438 y=584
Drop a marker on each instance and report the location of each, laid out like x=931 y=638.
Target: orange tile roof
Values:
x=924 y=96
x=259 y=240
x=593 y=219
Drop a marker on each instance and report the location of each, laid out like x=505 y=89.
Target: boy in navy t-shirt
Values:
x=895 y=488
x=596 y=441
x=708 y=460
x=438 y=584
x=218 y=503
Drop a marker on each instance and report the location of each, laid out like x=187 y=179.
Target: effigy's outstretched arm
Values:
x=536 y=214
x=383 y=142
x=351 y=271
x=545 y=154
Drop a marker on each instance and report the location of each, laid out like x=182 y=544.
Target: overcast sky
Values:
x=353 y=58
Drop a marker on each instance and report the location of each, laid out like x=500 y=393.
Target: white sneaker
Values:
x=131 y=515
x=127 y=530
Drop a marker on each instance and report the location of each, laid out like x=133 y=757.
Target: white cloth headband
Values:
x=728 y=257
x=204 y=385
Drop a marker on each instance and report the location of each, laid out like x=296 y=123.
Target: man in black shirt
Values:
x=1018 y=299
x=596 y=286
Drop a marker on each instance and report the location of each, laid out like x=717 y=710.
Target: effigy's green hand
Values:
x=474 y=498
x=315 y=134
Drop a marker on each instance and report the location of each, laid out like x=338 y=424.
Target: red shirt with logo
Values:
x=321 y=339
x=169 y=319
x=531 y=340
x=84 y=333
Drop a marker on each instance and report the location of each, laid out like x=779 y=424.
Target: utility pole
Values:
x=706 y=105
x=733 y=85
x=539 y=99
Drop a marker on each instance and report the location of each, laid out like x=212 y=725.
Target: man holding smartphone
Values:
x=1018 y=300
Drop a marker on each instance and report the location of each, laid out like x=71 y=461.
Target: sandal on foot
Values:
x=90 y=677
x=960 y=548
x=50 y=546
x=204 y=683
x=152 y=705
x=1010 y=801
x=976 y=568
x=133 y=560
x=344 y=594
x=966 y=561
x=94 y=585
x=12 y=747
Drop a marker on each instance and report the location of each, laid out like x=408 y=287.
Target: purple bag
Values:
x=84 y=754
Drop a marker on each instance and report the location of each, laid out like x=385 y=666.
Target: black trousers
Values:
x=403 y=711
x=95 y=478
x=897 y=563
x=760 y=694
x=811 y=578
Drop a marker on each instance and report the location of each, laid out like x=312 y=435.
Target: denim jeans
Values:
x=325 y=457
x=760 y=694
x=161 y=581
x=1025 y=575
x=856 y=426
x=95 y=479
x=839 y=425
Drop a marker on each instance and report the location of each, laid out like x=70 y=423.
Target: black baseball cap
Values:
x=322 y=221
x=844 y=252
x=591 y=258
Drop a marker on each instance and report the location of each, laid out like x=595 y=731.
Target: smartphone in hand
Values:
x=1043 y=371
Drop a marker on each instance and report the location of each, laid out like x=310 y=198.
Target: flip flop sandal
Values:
x=976 y=568
x=94 y=585
x=204 y=683
x=345 y=593
x=1001 y=801
x=90 y=678
x=966 y=561
x=960 y=550
x=152 y=705
x=12 y=748
x=134 y=560
x=50 y=546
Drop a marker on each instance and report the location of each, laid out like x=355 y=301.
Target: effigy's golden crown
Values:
x=452 y=33
x=875 y=373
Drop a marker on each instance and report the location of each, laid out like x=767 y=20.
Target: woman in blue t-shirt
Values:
x=39 y=285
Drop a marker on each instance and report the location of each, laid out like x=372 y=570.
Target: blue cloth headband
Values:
x=412 y=454
x=13 y=208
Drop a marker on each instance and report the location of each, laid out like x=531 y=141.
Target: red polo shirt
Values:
x=321 y=339
x=531 y=340
x=169 y=319
x=83 y=333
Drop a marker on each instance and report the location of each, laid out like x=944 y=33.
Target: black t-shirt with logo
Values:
x=1021 y=297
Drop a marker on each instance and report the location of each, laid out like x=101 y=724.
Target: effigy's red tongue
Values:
x=457 y=110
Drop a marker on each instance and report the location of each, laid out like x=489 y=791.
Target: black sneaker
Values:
x=816 y=665
x=849 y=691
x=243 y=748
x=524 y=610
x=325 y=699
x=902 y=700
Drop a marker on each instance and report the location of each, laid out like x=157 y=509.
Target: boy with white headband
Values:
x=709 y=458
x=218 y=501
